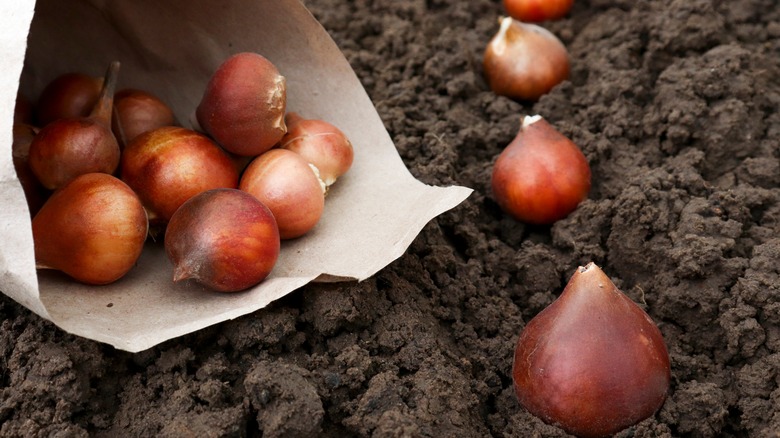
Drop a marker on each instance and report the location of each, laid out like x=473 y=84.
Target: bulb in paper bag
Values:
x=223 y=238
x=93 y=229
x=35 y=194
x=137 y=112
x=244 y=104
x=321 y=144
x=169 y=165
x=67 y=148
x=68 y=96
x=289 y=187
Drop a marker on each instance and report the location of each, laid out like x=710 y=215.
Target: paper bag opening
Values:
x=170 y=49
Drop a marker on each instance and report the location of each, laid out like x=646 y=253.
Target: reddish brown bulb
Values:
x=244 y=104
x=541 y=176
x=34 y=192
x=223 y=238
x=68 y=96
x=169 y=165
x=537 y=10
x=136 y=112
x=67 y=148
x=289 y=186
x=93 y=229
x=592 y=362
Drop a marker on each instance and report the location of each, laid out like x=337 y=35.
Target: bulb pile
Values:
x=104 y=169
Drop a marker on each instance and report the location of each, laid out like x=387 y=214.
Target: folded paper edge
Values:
x=18 y=281
x=452 y=197
x=136 y=344
x=456 y=195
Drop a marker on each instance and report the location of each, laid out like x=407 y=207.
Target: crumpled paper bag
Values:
x=170 y=48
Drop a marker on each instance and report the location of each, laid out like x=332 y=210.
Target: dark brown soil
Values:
x=676 y=105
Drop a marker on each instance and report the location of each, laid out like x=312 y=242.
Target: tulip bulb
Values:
x=223 y=238
x=537 y=10
x=319 y=143
x=244 y=104
x=92 y=229
x=524 y=61
x=68 y=96
x=34 y=192
x=67 y=148
x=169 y=165
x=137 y=112
x=289 y=187
x=541 y=176
x=592 y=362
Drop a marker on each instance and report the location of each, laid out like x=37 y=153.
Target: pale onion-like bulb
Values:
x=321 y=144
x=289 y=187
x=524 y=61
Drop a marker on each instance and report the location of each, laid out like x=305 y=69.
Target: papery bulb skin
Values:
x=319 y=143
x=224 y=239
x=69 y=147
x=92 y=229
x=524 y=61
x=535 y=11
x=169 y=165
x=244 y=104
x=592 y=362
x=68 y=96
x=541 y=176
x=289 y=187
x=137 y=112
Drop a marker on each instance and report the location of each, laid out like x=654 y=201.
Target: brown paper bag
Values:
x=170 y=48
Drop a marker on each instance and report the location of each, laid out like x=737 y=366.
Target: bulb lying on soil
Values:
x=592 y=362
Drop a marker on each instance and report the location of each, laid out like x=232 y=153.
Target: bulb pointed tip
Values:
x=182 y=272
